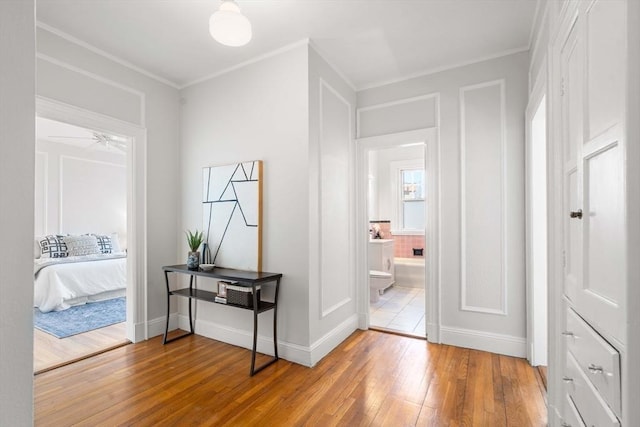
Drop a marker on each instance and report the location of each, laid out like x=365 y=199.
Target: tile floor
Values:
x=399 y=309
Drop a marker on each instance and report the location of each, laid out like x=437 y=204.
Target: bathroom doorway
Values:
x=397 y=222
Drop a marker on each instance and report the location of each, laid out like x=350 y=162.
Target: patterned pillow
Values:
x=82 y=245
x=104 y=243
x=52 y=246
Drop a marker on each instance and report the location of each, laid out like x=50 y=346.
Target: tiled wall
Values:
x=403 y=245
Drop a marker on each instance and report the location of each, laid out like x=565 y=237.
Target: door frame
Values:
x=537 y=96
x=136 y=324
x=430 y=137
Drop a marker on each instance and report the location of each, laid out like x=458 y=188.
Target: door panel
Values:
x=605 y=39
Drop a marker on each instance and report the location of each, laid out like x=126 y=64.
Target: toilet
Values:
x=378 y=282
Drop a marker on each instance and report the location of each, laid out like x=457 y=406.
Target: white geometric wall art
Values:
x=232 y=215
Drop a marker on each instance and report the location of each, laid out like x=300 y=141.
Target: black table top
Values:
x=241 y=276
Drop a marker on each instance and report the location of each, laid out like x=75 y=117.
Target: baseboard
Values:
x=331 y=340
x=485 y=341
x=306 y=356
x=156 y=326
x=292 y=352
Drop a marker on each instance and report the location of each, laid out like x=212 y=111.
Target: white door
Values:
x=571 y=91
x=593 y=61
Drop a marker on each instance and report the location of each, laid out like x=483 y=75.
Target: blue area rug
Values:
x=81 y=318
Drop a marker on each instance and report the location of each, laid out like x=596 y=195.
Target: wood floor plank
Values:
x=371 y=379
x=50 y=352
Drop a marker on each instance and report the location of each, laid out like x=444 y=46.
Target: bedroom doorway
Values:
x=90 y=185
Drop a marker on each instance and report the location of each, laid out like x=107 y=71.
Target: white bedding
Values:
x=59 y=284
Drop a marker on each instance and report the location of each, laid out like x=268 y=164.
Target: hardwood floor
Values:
x=50 y=352
x=372 y=378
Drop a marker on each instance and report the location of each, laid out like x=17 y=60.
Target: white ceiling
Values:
x=369 y=41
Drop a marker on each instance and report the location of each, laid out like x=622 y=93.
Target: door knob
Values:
x=576 y=214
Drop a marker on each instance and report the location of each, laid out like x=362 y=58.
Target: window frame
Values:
x=397 y=196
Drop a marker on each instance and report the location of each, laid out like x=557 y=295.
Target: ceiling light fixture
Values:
x=229 y=26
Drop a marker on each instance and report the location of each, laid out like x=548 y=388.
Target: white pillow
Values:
x=37 y=251
x=81 y=245
x=115 y=243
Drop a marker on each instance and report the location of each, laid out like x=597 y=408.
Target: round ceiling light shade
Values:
x=228 y=26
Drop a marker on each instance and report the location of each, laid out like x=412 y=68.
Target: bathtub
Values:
x=409 y=272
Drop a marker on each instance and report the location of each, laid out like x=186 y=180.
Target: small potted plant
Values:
x=194 y=240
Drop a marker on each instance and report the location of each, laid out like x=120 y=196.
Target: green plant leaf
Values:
x=194 y=239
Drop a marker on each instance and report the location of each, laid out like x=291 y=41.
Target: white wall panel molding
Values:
x=98 y=78
x=41 y=193
x=485 y=341
x=336 y=283
x=402 y=106
x=483 y=281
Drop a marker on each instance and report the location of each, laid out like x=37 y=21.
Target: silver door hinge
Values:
x=562 y=87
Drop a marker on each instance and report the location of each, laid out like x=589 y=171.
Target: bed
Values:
x=66 y=274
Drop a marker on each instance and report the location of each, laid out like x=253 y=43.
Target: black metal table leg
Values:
x=275 y=320
x=255 y=330
x=190 y=302
x=256 y=303
x=166 y=329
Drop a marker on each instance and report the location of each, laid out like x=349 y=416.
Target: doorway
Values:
x=537 y=213
x=133 y=137
x=397 y=233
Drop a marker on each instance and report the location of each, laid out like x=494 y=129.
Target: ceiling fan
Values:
x=102 y=139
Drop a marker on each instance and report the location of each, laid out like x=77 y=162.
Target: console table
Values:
x=249 y=279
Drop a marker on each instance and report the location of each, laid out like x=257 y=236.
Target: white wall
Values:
x=493 y=96
x=258 y=112
x=17 y=153
x=294 y=112
x=72 y=74
x=332 y=292
x=80 y=190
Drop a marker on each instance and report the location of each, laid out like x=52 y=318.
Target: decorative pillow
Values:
x=104 y=243
x=82 y=245
x=53 y=246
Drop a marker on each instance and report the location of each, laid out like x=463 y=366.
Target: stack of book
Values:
x=222 y=291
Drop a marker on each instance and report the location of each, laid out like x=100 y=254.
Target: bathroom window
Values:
x=412 y=203
x=406 y=196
